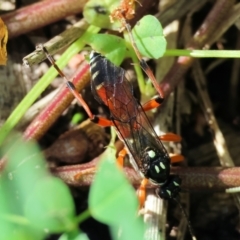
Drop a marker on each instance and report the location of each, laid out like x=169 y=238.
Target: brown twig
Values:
x=40 y=14
x=176 y=10
x=57 y=43
x=218 y=137
x=193 y=178
x=210 y=25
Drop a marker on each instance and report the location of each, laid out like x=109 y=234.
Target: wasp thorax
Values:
x=157 y=165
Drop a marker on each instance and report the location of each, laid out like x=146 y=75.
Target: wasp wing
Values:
x=110 y=86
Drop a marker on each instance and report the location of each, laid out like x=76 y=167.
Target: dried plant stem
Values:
x=57 y=43
x=219 y=140
x=202 y=36
x=40 y=14
x=193 y=178
x=172 y=10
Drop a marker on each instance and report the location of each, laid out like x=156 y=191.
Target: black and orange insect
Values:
x=111 y=88
x=147 y=153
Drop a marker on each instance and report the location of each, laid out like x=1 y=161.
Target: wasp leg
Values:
x=176 y=157
x=170 y=137
x=153 y=103
x=141 y=192
x=121 y=156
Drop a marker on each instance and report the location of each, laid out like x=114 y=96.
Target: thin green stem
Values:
x=140 y=78
x=42 y=84
x=83 y=216
x=203 y=53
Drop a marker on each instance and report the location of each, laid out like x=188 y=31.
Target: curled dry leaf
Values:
x=3 y=43
x=77 y=145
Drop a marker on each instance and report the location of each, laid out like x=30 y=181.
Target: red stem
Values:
x=40 y=14
x=199 y=179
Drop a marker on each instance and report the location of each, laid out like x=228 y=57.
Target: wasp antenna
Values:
x=69 y=84
x=52 y=61
x=187 y=218
x=143 y=63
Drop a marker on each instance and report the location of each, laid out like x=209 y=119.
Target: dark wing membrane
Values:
x=132 y=123
x=110 y=87
x=141 y=135
x=107 y=75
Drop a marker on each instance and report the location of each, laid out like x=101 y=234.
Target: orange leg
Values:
x=141 y=192
x=153 y=103
x=121 y=156
x=170 y=137
x=176 y=157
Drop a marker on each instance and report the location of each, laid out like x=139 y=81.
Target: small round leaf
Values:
x=112 y=47
x=149 y=38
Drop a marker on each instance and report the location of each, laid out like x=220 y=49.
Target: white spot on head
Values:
x=169 y=193
x=151 y=153
x=162 y=165
x=175 y=183
x=157 y=169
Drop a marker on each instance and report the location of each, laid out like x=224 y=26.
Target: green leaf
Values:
x=112 y=47
x=27 y=187
x=25 y=166
x=10 y=231
x=113 y=200
x=50 y=206
x=97 y=13
x=149 y=38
